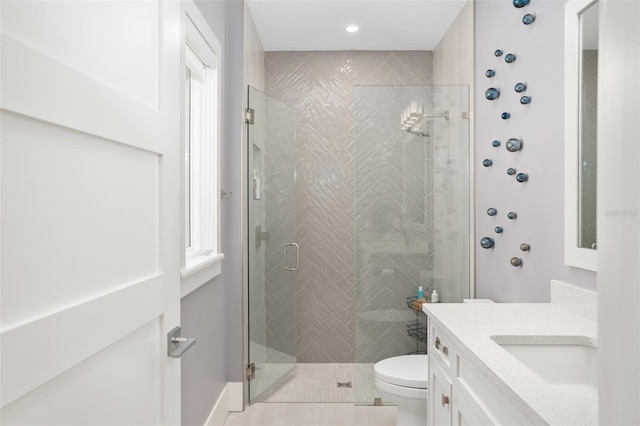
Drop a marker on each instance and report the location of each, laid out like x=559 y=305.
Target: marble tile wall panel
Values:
x=320 y=85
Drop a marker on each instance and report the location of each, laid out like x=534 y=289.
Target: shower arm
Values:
x=446 y=115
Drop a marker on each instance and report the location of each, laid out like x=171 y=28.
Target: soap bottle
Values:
x=434 y=296
x=420 y=293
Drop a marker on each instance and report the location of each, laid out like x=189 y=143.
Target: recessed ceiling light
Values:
x=352 y=29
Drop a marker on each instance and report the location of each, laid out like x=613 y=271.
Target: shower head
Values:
x=412 y=123
x=417 y=132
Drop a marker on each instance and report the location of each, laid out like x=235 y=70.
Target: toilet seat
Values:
x=410 y=371
x=401 y=391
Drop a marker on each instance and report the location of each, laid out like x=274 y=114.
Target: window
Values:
x=202 y=93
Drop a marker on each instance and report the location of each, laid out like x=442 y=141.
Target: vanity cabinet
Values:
x=447 y=406
x=439 y=396
x=461 y=394
x=473 y=361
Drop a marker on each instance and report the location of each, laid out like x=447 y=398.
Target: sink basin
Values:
x=566 y=366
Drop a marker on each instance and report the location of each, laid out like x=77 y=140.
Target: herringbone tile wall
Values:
x=279 y=216
x=320 y=86
x=394 y=219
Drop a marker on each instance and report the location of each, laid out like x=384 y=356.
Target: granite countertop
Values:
x=474 y=324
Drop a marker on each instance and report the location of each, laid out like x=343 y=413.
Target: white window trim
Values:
x=200 y=266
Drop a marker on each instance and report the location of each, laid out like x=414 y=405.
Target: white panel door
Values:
x=90 y=211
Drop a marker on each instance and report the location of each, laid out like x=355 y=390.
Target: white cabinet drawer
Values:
x=443 y=350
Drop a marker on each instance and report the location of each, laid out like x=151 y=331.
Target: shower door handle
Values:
x=286 y=256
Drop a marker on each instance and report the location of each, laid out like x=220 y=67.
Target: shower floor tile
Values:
x=318 y=383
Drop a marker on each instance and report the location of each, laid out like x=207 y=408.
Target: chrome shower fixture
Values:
x=413 y=116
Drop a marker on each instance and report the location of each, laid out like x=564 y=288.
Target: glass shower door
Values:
x=411 y=216
x=272 y=250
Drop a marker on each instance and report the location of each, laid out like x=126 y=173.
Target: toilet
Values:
x=403 y=380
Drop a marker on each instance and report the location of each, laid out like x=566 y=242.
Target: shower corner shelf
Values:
x=418 y=329
x=411 y=303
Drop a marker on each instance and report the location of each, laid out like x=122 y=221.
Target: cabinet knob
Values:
x=445 y=400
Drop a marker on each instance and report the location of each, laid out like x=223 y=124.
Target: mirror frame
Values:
x=573 y=254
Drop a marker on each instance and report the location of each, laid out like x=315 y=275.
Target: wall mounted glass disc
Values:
x=528 y=19
x=487 y=243
x=492 y=93
x=514 y=145
x=520 y=87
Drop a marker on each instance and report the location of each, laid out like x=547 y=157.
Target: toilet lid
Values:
x=406 y=370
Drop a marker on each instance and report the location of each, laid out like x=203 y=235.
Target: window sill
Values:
x=199 y=271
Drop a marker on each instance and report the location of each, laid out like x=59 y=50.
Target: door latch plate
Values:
x=249 y=116
x=251 y=371
x=176 y=345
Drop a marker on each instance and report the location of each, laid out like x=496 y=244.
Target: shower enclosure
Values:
x=271 y=155
x=411 y=207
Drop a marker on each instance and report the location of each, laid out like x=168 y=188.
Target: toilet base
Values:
x=404 y=380
x=411 y=412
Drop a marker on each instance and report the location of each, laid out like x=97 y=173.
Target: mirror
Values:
x=581 y=118
x=588 y=126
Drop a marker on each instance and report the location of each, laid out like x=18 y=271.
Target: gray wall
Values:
x=320 y=86
x=203 y=373
x=539 y=202
x=232 y=180
x=213 y=313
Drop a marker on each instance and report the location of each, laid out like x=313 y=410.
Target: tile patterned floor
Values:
x=318 y=383
x=313 y=414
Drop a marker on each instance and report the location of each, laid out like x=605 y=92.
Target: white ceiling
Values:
x=384 y=24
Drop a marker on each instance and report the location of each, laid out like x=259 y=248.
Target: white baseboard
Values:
x=231 y=399
x=236 y=396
